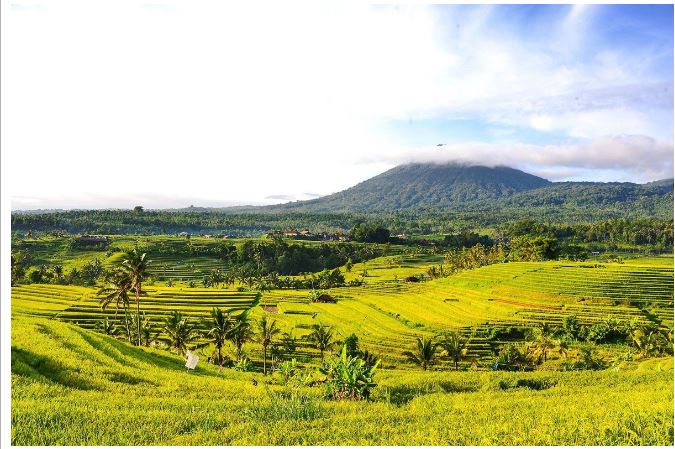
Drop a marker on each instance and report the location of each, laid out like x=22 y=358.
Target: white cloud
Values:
x=626 y=158
x=221 y=103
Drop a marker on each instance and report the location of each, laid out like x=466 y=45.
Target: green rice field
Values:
x=72 y=385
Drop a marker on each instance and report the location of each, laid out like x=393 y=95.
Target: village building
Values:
x=92 y=239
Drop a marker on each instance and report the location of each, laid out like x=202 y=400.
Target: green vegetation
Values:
x=70 y=384
x=494 y=334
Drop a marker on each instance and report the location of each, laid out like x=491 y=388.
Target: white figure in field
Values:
x=191 y=360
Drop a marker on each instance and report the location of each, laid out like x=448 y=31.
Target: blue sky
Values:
x=223 y=104
x=626 y=31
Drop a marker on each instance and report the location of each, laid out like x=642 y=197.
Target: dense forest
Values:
x=427 y=222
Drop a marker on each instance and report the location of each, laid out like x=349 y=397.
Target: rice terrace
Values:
x=498 y=332
x=300 y=224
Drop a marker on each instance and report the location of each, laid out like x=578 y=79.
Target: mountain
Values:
x=424 y=185
x=454 y=187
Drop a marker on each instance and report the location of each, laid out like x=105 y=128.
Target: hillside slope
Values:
x=469 y=188
x=74 y=387
x=425 y=185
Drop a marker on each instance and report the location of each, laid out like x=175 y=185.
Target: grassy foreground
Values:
x=71 y=386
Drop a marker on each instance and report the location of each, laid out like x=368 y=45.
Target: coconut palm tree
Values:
x=220 y=326
x=58 y=271
x=455 y=347
x=117 y=291
x=322 y=337
x=148 y=335
x=241 y=333
x=267 y=330
x=424 y=353
x=542 y=345
x=136 y=267
x=181 y=333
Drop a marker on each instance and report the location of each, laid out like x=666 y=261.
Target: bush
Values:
x=586 y=360
x=348 y=378
x=513 y=357
x=243 y=365
x=532 y=384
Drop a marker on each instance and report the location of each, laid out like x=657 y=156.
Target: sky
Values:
x=171 y=104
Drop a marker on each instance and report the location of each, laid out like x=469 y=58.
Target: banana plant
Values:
x=349 y=377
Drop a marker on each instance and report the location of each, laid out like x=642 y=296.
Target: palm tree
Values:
x=147 y=333
x=136 y=267
x=543 y=344
x=241 y=333
x=267 y=331
x=117 y=291
x=220 y=327
x=455 y=347
x=180 y=331
x=424 y=353
x=322 y=337
x=562 y=348
x=58 y=271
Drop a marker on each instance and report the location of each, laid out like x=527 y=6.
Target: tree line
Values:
x=538 y=343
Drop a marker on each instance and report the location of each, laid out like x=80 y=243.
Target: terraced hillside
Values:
x=80 y=305
x=71 y=386
x=387 y=313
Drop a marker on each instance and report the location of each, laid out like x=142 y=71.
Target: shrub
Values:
x=586 y=360
x=513 y=357
x=348 y=378
x=352 y=345
x=287 y=369
x=243 y=365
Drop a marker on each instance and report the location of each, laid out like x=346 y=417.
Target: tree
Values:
x=220 y=328
x=542 y=345
x=267 y=330
x=138 y=209
x=58 y=271
x=322 y=337
x=352 y=345
x=136 y=267
x=650 y=340
x=455 y=347
x=180 y=332
x=513 y=357
x=117 y=291
x=349 y=265
x=571 y=326
x=369 y=233
x=528 y=248
x=18 y=268
x=423 y=354
x=241 y=333
x=148 y=335
x=587 y=359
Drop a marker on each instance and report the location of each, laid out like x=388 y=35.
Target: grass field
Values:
x=71 y=386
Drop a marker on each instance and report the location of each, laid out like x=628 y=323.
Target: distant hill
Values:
x=456 y=187
x=419 y=197
x=424 y=186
